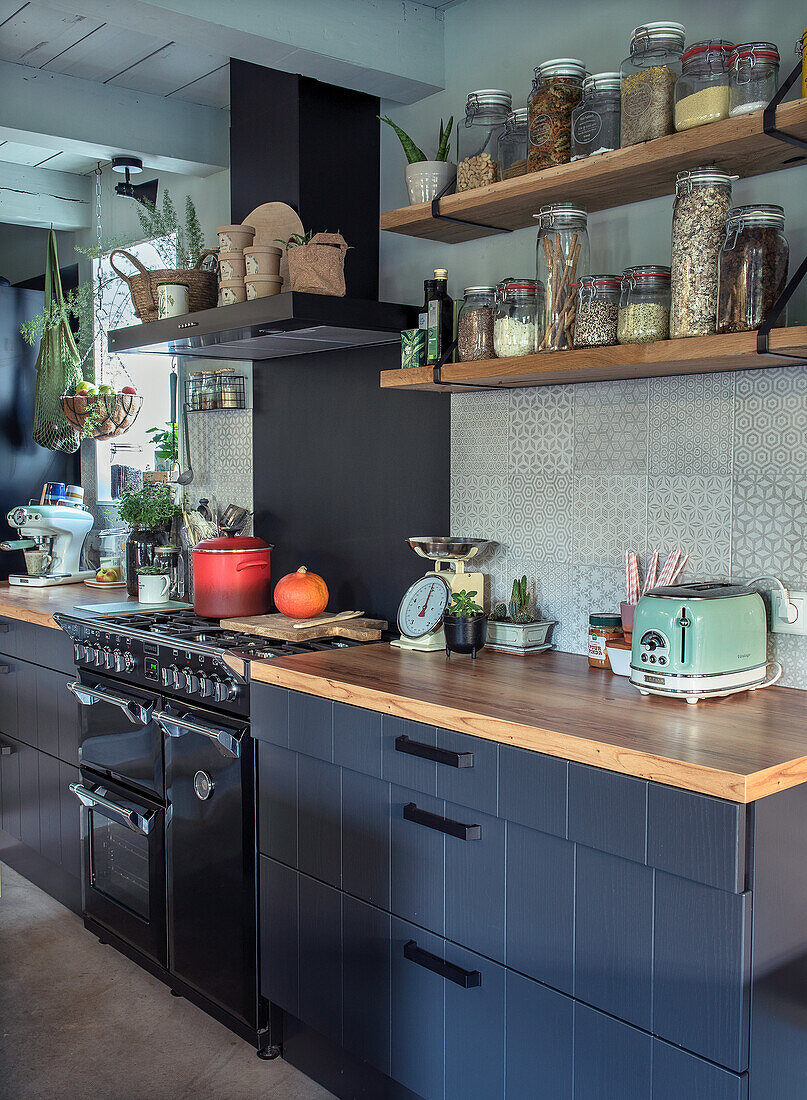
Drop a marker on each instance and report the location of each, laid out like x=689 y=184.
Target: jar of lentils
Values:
x=597 y=311
x=644 y=305
x=753 y=77
x=486 y=112
x=702 y=202
x=649 y=76
x=556 y=91
x=752 y=272
x=702 y=91
x=518 y=306
x=562 y=259
x=595 y=120
x=475 y=324
x=513 y=145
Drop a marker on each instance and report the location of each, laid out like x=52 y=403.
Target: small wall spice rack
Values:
x=206 y=390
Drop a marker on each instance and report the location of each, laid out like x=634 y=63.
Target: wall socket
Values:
x=778 y=624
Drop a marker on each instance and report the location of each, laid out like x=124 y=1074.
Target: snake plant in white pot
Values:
x=426 y=178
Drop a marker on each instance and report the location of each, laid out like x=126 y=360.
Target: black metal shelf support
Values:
x=460 y=221
x=437 y=372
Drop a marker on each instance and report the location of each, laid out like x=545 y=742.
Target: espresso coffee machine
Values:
x=52 y=537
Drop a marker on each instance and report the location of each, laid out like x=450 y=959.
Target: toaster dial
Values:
x=654 y=649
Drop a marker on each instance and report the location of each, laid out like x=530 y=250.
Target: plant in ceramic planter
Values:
x=425 y=178
x=515 y=626
x=149 y=512
x=465 y=624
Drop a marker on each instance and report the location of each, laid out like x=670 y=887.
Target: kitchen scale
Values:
x=420 y=615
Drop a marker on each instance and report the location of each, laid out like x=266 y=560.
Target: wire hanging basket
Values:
x=102 y=415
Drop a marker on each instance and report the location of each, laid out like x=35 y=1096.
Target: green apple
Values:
x=106 y=389
x=86 y=388
x=107 y=575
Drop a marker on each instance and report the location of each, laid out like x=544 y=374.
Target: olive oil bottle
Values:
x=440 y=321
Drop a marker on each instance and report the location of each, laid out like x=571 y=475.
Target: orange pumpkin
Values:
x=301 y=595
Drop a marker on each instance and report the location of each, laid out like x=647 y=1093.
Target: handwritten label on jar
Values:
x=637 y=101
x=587 y=127
x=541 y=131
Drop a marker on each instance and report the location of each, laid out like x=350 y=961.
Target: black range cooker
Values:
x=168 y=802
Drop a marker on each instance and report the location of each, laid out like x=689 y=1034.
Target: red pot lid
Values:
x=239 y=542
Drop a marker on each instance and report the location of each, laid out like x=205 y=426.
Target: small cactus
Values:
x=499 y=613
x=520 y=600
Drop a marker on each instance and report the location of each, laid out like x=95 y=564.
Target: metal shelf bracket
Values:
x=437 y=372
x=460 y=221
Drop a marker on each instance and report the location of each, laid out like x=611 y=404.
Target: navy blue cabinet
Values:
x=417 y=858
x=366 y=982
x=612 y=1061
x=539 y=1040
x=417 y=1010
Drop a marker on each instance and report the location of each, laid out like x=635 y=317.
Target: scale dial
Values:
x=421 y=610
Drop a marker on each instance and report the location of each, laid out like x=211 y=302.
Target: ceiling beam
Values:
x=36 y=196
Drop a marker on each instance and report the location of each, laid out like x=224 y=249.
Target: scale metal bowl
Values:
x=445 y=548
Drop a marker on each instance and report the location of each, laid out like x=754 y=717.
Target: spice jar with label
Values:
x=513 y=145
x=556 y=91
x=518 y=306
x=562 y=258
x=595 y=120
x=644 y=305
x=753 y=77
x=475 y=324
x=702 y=202
x=486 y=112
x=597 y=311
x=602 y=630
x=702 y=91
x=752 y=271
x=649 y=76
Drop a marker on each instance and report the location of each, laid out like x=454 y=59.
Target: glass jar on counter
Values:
x=752 y=271
x=475 y=324
x=595 y=120
x=753 y=77
x=562 y=259
x=602 y=630
x=556 y=91
x=644 y=305
x=702 y=91
x=513 y=145
x=649 y=76
x=486 y=112
x=518 y=306
x=597 y=311
x=702 y=203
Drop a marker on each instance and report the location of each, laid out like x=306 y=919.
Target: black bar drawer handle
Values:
x=468 y=979
x=431 y=752
x=442 y=824
x=6 y=750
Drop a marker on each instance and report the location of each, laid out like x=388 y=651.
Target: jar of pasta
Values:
x=556 y=91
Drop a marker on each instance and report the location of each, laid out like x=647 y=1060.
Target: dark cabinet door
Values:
x=612 y=1061
x=366 y=982
x=50 y=820
x=474 y=1011
x=279 y=935
x=28 y=702
x=539 y=1040
x=418 y=1011
x=9 y=677
x=366 y=838
x=10 y=785
x=29 y=796
x=49 y=687
x=70 y=820
x=321 y=957
x=475 y=881
x=69 y=718
x=277 y=802
x=319 y=804
x=417 y=858
x=677 y=1073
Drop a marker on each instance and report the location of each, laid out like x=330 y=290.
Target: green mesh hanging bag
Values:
x=58 y=366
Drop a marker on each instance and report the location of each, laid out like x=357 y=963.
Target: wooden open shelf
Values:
x=697 y=355
x=611 y=179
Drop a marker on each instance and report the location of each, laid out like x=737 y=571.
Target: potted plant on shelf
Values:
x=166 y=445
x=154 y=583
x=465 y=624
x=516 y=627
x=149 y=512
x=425 y=178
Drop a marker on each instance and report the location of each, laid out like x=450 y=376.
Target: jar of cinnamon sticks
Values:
x=562 y=257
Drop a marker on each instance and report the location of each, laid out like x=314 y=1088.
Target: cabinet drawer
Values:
x=697 y=837
x=357 y=739
x=407 y=754
x=42 y=645
x=468 y=771
x=10 y=786
x=269 y=711
x=533 y=789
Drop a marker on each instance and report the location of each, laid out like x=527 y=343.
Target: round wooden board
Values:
x=273 y=222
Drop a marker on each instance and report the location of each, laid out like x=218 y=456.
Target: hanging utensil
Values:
x=173 y=476
x=185 y=477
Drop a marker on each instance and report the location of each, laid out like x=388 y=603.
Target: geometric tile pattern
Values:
x=480 y=433
x=693 y=514
x=542 y=430
x=221 y=452
x=610 y=427
x=770 y=421
x=770 y=527
x=691 y=424
x=541 y=515
x=610 y=516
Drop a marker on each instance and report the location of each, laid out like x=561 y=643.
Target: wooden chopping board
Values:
x=282 y=628
x=273 y=222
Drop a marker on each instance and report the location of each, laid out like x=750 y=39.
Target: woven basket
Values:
x=319 y=266
x=112 y=413
x=202 y=285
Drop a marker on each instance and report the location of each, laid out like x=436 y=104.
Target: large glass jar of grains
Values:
x=595 y=120
x=753 y=267
x=649 y=76
x=486 y=112
x=513 y=145
x=556 y=91
x=644 y=305
x=753 y=77
x=702 y=202
x=518 y=302
x=562 y=258
x=475 y=324
x=597 y=311
x=702 y=91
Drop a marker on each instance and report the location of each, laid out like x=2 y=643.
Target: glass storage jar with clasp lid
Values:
x=556 y=91
x=597 y=311
x=486 y=112
x=753 y=77
x=644 y=305
x=702 y=91
x=518 y=304
x=649 y=76
x=595 y=120
x=562 y=259
x=702 y=203
x=475 y=324
x=752 y=271
x=513 y=145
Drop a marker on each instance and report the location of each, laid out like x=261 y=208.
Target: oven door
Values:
x=123 y=863
x=117 y=734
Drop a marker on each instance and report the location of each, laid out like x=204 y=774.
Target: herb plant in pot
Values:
x=465 y=625
x=148 y=512
x=153 y=584
x=426 y=178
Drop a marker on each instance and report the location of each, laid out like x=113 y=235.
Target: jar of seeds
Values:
x=752 y=272
x=475 y=324
x=649 y=76
x=597 y=311
x=753 y=77
x=513 y=145
x=519 y=303
x=702 y=91
x=556 y=91
x=562 y=259
x=595 y=121
x=702 y=202
x=486 y=112
x=644 y=305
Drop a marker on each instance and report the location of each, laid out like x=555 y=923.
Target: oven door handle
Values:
x=138 y=823
x=138 y=713
x=178 y=727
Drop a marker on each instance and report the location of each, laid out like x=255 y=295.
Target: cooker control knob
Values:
x=93 y=654
x=109 y=660
x=171 y=676
x=128 y=662
x=191 y=681
x=79 y=652
x=165 y=674
x=118 y=658
x=205 y=687
x=223 y=689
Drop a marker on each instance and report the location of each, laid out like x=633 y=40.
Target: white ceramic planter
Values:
x=519 y=637
x=427 y=178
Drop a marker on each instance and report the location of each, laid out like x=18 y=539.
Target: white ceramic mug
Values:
x=173 y=300
x=154 y=587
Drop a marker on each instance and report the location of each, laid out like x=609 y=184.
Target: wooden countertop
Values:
x=38 y=605
x=740 y=748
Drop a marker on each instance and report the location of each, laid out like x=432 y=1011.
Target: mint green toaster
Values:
x=693 y=641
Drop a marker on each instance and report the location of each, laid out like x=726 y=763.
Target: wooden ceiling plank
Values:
x=37 y=34
x=169 y=69
x=105 y=53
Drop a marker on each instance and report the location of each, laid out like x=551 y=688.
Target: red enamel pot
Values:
x=231 y=577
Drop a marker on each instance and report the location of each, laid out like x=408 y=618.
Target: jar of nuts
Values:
x=486 y=113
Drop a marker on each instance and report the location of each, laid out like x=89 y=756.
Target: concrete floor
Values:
x=80 y=1020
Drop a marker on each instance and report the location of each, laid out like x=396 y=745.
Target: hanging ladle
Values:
x=185 y=477
x=173 y=477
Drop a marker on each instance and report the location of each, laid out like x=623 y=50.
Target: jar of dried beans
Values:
x=597 y=311
x=475 y=324
x=556 y=91
x=753 y=77
x=644 y=305
x=595 y=121
x=753 y=267
x=518 y=303
x=562 y=258
x=513 y=145
x=702 y=91
x=702 y=202
x=649 y=76
x=486 y=112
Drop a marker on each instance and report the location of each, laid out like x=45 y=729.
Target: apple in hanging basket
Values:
x=129 y=389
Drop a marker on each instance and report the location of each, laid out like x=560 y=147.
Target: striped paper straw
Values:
x=652 y=572
x=632 y=576
x=679 y=568
x=669 y=566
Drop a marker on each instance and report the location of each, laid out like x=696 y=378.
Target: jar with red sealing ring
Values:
x=644 y=305
x=597 y=311
x=702 y=91
x=602 y=630
x=753 y=77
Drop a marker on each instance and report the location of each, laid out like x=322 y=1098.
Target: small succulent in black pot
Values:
x=465 y=625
